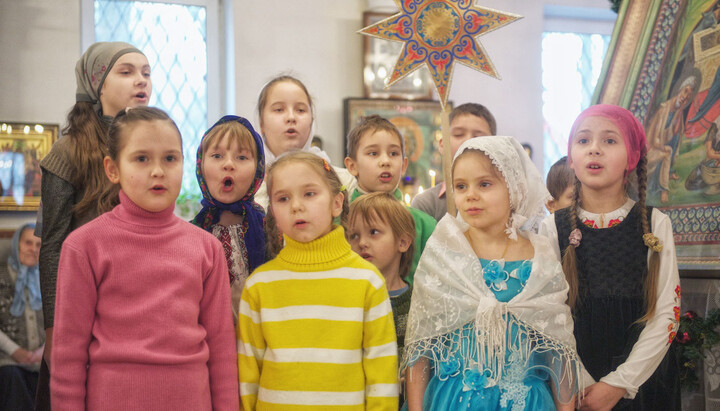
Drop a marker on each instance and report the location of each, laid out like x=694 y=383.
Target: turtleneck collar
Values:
x=131 y=213
x=326 y=249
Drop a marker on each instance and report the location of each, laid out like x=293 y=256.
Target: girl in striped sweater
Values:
x=315 y=327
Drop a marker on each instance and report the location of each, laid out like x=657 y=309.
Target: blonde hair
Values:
x=384 y=207
x=323 y=169
x=235 y=131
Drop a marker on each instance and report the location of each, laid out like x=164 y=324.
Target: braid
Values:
x=273 y=239
x=569 y=261
x=651 y=280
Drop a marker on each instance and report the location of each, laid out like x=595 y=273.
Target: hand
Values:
x=22 y=356
x=37 y=355
x=601 y=397
x=48 y=345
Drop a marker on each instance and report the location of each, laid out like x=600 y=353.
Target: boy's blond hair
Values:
x=384 y=207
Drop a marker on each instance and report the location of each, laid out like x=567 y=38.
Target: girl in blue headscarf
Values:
x=22 y=333
x=230 y=168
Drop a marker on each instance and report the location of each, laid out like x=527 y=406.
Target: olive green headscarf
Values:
x=93 y=67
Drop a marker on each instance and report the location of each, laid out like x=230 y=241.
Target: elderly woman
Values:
x=22 y=334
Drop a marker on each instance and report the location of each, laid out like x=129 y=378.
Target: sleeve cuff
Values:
x=611 y=379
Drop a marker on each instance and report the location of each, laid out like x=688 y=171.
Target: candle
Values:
x=407 y=199
x=432 y=177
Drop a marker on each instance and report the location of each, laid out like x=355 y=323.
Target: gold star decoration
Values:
x=438 y=34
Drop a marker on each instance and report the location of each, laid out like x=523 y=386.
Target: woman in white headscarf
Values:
x=22 y=333
x=488 y=327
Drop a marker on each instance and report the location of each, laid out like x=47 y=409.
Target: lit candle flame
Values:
x=407 y=199
x=432 y=177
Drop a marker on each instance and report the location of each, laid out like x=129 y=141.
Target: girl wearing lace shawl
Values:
x=488 y=326
x=230 y=167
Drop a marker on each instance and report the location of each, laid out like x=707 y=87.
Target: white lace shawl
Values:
x=450 y=292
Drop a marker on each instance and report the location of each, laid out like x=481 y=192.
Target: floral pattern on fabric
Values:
x=675 y=322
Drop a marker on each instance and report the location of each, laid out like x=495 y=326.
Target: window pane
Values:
x=174 y=38
x=571 y=65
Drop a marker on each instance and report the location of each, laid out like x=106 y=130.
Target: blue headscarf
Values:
x=27 y=277
x=246 y=206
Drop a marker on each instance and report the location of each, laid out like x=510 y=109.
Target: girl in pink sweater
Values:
x=143 y=318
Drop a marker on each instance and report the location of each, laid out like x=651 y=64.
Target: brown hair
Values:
x=116 y=139
x=495 y=171
x=569 y=261
x=322 y=167
x=387 y=209
x=235 y=131
x=262 y=98
x=477 y=110
x=372 y=123
x=88 y=134
x=559 y=178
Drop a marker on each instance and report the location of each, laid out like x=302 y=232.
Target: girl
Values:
x=230 y=168
x=110 y=77
x=619 y=258
x=287 y=115
x=22 y=334
x=142 y=323
x=317 y=317
x=488 y=327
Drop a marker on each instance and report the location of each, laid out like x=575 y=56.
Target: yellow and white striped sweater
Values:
x=316 y=331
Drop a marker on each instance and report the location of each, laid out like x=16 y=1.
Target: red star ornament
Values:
x=438 y=34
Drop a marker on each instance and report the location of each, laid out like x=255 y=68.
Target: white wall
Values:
x=315 y=40
x=39 y=45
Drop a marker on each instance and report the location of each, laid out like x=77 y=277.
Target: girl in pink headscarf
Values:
x=619 y=260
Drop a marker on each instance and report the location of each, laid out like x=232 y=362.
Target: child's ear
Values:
x=404 y=165
x=404 y=243
x=551 y=206
x=337 y=204
x=351 y=166
x=111 y=170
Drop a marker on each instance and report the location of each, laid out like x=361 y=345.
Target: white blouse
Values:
x=654 y=340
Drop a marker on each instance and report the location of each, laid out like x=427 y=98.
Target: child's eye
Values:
x=485 y=184
x=372 y=153
x=243 y=157
x=282 y=199
x=460 y=186
x=582 y=140
x=352 y=236
x=374 y=231
x=610 y=141
x=141 y=159
x=215 y=156
x=170 y=158
x=309 y=194
x=394 y=153
x=278 y=110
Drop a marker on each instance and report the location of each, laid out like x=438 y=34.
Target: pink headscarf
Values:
x=630 y=127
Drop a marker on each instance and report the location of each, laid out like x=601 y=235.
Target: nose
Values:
x=384 y=159
x=295 y=204
x=158 y=170
x=140 y=79
x=290 y=115
x=229 y=164
x=362 y=242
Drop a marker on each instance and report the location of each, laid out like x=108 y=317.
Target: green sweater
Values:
x=424 y=226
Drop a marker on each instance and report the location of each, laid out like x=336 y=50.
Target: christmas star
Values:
x=438 y=34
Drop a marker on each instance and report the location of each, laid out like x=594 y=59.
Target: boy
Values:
x=560 y=180
x=376 y=157
x=466 y=121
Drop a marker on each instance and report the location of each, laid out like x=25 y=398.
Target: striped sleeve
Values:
x=251 y=349
x=380 y=352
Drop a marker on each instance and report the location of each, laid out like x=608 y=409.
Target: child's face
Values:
x=376 y=243
x=229 y=170
x=598 y=155
x=149 y=165
x=565 y=200
x=286 y=119
x=464 y=127
x=302 y=203
x=379 y=162
x=481 y=194
x=127 y=84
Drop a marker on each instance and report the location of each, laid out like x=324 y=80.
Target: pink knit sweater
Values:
x=143 y=318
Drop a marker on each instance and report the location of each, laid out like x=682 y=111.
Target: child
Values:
x=619 y=259
x=230 y=168
x=376 y=157
x=317 y=317
x=466 y=121
x=110 y=76
x=382 y=231
x=488 y=327
x=143 y=303
x=287 y=115
x=560 y=182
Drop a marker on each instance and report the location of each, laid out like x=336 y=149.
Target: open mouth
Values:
x=386 y=177
x=594 y=166
x=291 y=131
x=227 y=184
x=141 y=95
x=158 y=188
x=366 y=256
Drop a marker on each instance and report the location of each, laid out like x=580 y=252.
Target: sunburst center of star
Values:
x=438 y=24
